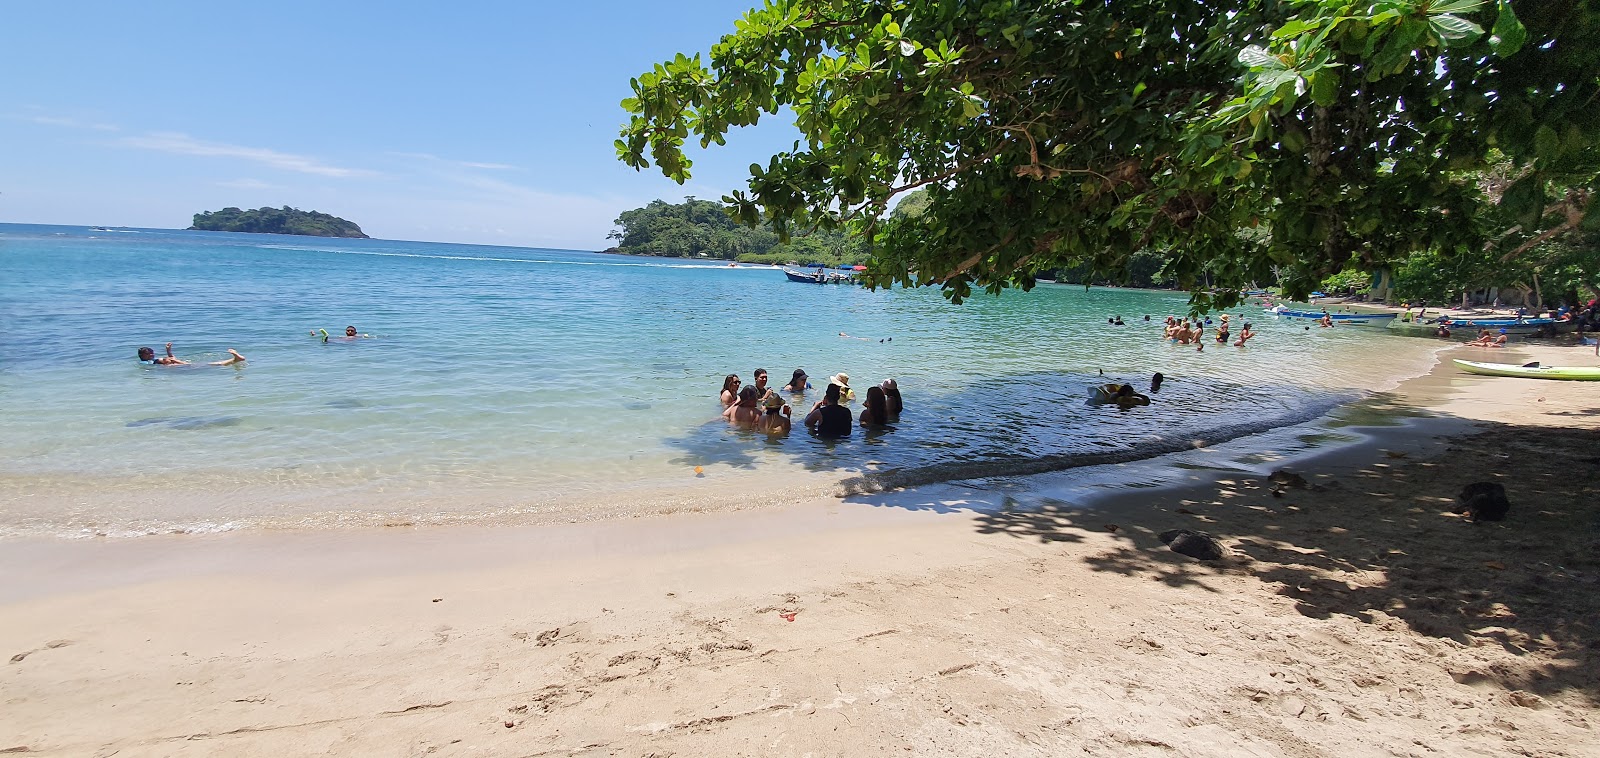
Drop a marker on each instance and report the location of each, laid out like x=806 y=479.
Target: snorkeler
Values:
x=148 y=354
x=349 y=334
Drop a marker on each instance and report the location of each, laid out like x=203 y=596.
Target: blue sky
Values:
x=485 y=122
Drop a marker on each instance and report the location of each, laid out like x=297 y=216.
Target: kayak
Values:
x=1574 y=373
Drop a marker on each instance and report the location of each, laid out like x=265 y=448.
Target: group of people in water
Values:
x=1186 y=332
x=760 y=407
x=148 y=354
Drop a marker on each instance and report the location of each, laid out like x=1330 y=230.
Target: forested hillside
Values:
x=283 y=220
x=701 y=228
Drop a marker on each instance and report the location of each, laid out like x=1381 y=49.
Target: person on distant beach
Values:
x=875 y=411
x=1326 y=320
x=1483 y=339
x=1223 y=330
x=730 y=390
x=891 y=391
x=744 y=412
x=148 y=354
x=798 y=382
x=1245 y=335
x=1443 y=332
x=827 y=417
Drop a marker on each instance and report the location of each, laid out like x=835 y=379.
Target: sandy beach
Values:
x=1355 y=615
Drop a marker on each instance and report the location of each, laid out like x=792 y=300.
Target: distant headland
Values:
x=283 y=220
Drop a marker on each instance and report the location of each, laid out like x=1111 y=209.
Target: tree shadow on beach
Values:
x=1380 y=544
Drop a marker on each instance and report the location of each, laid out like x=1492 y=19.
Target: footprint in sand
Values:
x=51 y=645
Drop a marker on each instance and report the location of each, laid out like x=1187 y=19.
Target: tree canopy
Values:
x=1236 y=141
x=283 y=220
x=701 y=228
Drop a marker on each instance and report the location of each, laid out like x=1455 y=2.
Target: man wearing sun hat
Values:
x=842 y=379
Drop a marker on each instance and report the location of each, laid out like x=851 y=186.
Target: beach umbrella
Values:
x=858 y=268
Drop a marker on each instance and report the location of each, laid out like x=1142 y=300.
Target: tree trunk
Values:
x=1538 y=299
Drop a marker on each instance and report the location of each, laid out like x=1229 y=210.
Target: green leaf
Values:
x=1138 y=88
x=1325 y=87
x=1453 y=29
x=1508 y=34
x=1455 y=6
x=1591 y=218
x=1524 y=200
x=1546 y=144
x=1293 y=28
x=1255 y=57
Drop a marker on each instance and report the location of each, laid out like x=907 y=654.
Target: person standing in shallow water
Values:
x=875 y=411
x=827 y=417
x=730 y=390
x=798 y=382
x=891 y=393
x=744 y=412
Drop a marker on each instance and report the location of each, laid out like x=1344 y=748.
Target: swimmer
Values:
x=1155 y=382
x=849 y=337
x=147 y=354
x=1245 y=335
x=350 y=333
x=1126 y=398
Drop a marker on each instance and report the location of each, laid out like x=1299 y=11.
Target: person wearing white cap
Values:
x=891 y=391
x=842 y=379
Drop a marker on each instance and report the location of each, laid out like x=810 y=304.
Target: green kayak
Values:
x=1576 y=373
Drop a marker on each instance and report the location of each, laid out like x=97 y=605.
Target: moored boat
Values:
x=1430 y=327
x=1532 y=371
x=796 y=276
x=1336 y=316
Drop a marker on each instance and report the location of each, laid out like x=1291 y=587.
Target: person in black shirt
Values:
x=827 y=418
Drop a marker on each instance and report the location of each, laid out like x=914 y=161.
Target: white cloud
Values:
x=434 y=159
x=182 y=144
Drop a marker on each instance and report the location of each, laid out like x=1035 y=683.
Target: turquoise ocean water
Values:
x=510 y=383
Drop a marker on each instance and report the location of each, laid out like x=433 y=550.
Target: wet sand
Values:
x=1354 y=616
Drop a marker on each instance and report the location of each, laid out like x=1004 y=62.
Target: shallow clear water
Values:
x=509 y=380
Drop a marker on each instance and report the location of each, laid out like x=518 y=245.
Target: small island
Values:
x=283 y=220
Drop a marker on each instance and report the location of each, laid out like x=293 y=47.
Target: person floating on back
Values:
x=148 y=354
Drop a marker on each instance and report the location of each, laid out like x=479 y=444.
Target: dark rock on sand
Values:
x=1483 y=501
x=1287 y=478
x=1194 y=544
